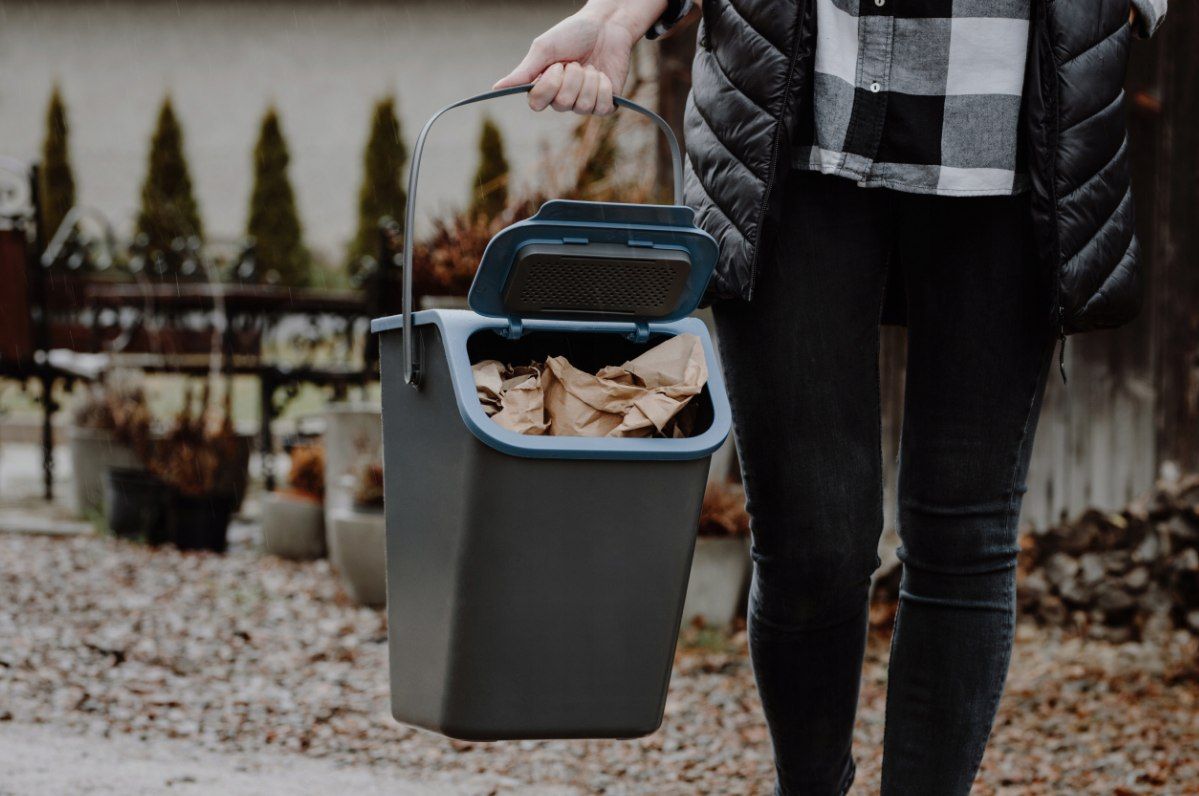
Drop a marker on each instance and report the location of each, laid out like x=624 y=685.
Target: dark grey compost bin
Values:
x=535 y=584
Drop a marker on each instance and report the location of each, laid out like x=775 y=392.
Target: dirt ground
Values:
x=131 y=670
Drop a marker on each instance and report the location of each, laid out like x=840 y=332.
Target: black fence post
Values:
x=268 y=383
x=41 y=335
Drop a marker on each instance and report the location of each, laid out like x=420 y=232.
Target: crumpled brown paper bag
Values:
x=641 y=398
x=512 y=396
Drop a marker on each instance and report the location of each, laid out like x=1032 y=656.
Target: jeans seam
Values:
x=851 y=773
x=878 y=379
x=1013 y=516
x=1028 y=418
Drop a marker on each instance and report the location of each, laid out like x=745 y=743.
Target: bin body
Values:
x=529 y=596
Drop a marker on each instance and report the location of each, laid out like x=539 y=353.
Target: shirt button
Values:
x=874 y=88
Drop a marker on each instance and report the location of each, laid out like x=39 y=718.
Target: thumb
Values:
x=527 y=70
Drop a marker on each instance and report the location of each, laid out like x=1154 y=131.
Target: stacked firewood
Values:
x=1130 y=575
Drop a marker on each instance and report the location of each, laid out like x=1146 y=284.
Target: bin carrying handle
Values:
x=411 y=365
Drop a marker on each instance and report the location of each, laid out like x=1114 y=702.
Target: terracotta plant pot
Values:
x=356 y=550
x=719 y=576
x=93 y=450
x=293 y=526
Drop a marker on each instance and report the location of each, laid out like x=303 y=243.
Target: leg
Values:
x=801 y=363
x=980 y=340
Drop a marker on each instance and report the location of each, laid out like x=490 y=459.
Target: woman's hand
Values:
x=579 y=63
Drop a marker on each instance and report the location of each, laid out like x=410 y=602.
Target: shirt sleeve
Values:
x=1150 y=14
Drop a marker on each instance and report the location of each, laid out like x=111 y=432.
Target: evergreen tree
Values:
x=382 y=192
x=601 y=159
x=274 y=223
x=56 y=183
x=169 y=208
x=491 y=179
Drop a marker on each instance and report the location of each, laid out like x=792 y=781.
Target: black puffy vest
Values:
x=752 y=74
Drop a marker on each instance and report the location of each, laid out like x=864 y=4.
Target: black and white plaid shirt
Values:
x=923 y=95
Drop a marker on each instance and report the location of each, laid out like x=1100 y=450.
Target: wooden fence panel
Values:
x=1172 y=96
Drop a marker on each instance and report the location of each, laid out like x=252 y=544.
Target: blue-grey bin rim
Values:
x=456 y=328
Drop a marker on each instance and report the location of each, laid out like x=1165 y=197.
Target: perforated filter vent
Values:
x=596 y=279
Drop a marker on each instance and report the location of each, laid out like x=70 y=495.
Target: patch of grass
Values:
x=99 y=522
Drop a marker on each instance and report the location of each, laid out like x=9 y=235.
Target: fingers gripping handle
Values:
x=411 y=365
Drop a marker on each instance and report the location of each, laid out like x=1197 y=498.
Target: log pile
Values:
x=1130 y=575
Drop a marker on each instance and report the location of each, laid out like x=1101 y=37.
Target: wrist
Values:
x=633 y=16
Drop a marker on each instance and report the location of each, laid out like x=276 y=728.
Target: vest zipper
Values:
x=1035 y=51
x=1061 y=356
x=801 y=17
x=1061 y=334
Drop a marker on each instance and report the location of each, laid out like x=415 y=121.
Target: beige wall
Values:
x=322 y=63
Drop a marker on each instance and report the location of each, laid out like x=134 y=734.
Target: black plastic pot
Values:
x=202 y=522
x=235 y=478
x=135 y=505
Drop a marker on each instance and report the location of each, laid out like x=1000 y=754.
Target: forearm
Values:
x=582 y=61
x=635 y=16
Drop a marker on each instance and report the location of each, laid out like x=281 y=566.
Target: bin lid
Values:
x=596 y=261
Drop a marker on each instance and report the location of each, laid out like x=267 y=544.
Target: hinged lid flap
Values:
x=596 y=260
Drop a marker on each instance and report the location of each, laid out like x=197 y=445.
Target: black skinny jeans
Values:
x=801 y=361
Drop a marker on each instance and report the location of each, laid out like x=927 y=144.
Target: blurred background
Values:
x=321 y=65
x=201 y=207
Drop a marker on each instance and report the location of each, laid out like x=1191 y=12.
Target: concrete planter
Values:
x=356 y=550
x=293 y=526
x=719 y=577
x=353 y=437
x=92 y=452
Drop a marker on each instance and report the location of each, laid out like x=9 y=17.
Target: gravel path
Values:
x=42 y=759
x=241 y=658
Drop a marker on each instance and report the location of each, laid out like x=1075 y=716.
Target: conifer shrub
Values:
x=169 y=210
x=382 y=192
x=597 y=138
x=274 y=223
x=56 y=181
x=490 y=195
